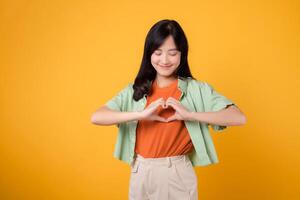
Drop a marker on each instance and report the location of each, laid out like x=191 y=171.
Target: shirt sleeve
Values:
x=215 y=102
x=118 y=101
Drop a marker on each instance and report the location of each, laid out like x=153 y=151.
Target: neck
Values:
x=163 y=81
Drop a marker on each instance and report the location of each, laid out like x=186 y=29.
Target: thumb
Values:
x=158 y=118
x=172 y=118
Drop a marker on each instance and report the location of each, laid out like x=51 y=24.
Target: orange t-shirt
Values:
x=161 y=139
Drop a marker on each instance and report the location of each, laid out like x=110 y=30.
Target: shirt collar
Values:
x=182 y=83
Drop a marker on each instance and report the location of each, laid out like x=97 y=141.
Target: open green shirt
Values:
x=197 y=96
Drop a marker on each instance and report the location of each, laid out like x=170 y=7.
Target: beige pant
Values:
x=167 y=178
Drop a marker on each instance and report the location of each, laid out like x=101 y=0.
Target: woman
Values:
x=163 y=119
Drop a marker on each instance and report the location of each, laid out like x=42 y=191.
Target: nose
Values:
x=165 y=60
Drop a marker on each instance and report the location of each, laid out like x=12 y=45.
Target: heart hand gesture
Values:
x=181 y=113
x=149 y=112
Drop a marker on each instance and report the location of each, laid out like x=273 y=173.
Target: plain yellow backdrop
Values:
x=61 y=60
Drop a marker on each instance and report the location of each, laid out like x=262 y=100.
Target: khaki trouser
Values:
x=166 y=178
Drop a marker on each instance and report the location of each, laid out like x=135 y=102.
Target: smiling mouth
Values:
x=167 y=66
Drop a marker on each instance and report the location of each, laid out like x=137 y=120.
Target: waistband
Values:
x=167 y=161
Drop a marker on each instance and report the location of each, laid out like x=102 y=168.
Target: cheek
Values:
x=154 y=59
x=175 y=59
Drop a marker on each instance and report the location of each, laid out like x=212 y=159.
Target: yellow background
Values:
x=61 y=60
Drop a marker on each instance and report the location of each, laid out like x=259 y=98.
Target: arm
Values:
x=105 y=116
x=230 y=116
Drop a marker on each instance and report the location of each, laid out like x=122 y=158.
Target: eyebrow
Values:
x=169 y=49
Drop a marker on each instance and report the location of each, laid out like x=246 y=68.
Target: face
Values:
x=166 y=58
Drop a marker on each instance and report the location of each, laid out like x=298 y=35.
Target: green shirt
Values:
x=197 y=96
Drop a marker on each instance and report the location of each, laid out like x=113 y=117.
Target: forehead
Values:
x=168 y=44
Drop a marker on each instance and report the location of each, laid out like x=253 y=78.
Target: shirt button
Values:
x=131 y=155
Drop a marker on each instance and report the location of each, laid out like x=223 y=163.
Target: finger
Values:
x=171 y=98
x=158 y=118
x=168 y=102
x=159 y=102
x=173 y=105
x=156 y=103
x=172 y=101
x=172 y=118
x=165 y=105
x=162 y=104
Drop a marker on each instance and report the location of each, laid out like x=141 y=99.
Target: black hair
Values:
x=154 y=39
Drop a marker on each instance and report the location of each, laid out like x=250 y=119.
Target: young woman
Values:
x=163 y=119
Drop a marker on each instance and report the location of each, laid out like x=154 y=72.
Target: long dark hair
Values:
x=155 y=37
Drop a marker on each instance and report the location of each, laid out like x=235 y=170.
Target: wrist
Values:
x=191 y=116
x=138 y=115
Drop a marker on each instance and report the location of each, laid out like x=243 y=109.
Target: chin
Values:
x=165 y=74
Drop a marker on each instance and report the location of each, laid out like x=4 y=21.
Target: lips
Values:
x=165 y=66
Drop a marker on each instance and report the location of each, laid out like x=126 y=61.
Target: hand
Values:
x=149 y=112
x=181 y=113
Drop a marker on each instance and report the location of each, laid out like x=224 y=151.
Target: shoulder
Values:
x=128 y=88
x=129 y=85
x=200 y=84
